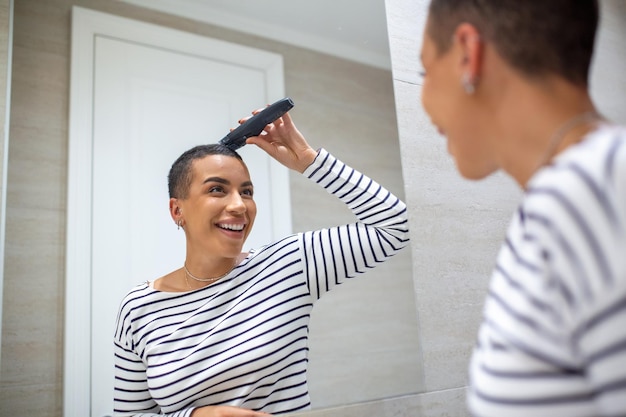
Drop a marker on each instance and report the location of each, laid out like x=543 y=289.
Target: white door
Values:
x=154 y=93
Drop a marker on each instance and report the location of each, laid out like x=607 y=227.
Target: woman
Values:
x=506 y=82
x=226 y=334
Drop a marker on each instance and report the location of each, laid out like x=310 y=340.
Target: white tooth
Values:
x=236 y=227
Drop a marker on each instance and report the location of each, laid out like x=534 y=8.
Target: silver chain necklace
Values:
x=209 y=280
x=563 y=130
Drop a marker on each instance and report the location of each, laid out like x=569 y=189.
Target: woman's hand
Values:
x=283 y=142
x=225 y=411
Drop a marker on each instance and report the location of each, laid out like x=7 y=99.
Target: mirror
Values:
x=363 y=335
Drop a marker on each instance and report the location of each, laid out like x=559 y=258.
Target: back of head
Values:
x=180 y=175
x=536 y=37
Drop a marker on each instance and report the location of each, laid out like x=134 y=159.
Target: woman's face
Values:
x=219 y=210
x=456 y=114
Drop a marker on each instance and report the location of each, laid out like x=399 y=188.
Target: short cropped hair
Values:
x=180 y=175
x=537 y=37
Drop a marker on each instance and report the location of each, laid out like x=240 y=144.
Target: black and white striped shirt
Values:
x=553 y=339
x=243 y=340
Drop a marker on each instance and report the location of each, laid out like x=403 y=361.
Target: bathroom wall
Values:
x=343 y=106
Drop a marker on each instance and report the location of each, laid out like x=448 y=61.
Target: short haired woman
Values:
x=506 y=82
x=226 y=334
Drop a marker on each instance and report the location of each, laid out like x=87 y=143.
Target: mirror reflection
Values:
x=363 y=335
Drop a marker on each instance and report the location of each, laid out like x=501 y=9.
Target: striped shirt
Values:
x=553 y=338
x=242 y=341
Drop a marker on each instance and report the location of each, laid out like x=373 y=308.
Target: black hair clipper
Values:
x=255 y=125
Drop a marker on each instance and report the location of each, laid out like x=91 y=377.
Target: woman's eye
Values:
x=216 y=189
x=248 y=192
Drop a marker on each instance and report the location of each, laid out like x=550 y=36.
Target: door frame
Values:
x=86 y=26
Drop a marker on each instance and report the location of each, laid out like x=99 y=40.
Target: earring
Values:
x=468 y=85
x=179 y=222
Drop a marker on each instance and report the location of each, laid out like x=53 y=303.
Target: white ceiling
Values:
x=352 y=29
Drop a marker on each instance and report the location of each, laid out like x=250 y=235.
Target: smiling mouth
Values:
x=232 y=227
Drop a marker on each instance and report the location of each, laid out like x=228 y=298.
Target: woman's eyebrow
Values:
x=216 y=179
x=224 y=181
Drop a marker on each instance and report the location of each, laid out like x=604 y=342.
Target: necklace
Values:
x=207 y=280
x=562 y=131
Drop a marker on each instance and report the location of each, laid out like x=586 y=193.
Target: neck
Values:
x=570 y=128
x=537 y=121
x=208 y=271
x=568 y=133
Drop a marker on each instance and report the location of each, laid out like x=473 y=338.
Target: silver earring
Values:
x=179 y=222
x=468 y=85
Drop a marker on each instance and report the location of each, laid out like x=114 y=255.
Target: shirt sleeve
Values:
x=331 y=255
x=131 y=394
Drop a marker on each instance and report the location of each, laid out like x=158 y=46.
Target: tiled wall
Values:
x=342 y=106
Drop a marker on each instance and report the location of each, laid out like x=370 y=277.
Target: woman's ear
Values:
x=467 y=40
x=175 y=210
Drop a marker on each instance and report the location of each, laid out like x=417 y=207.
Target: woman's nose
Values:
x=236 y=204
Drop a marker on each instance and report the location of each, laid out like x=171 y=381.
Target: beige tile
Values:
x=608 y=84
x=40 y=87
x=405 y=23
x=31 y=400
x=33 y=296
x=37 y=169
x=364 y=338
